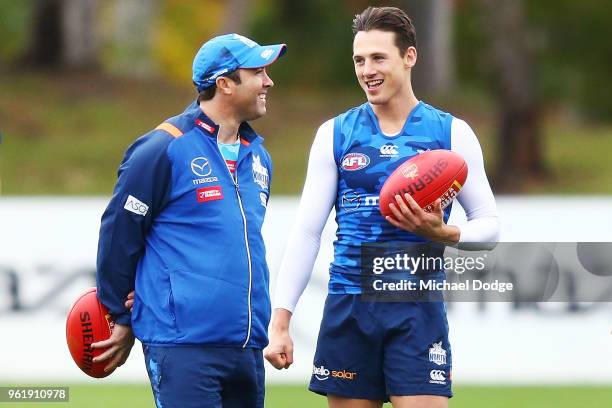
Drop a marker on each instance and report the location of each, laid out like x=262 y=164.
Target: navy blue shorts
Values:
x=203 y=377
x=374 y=350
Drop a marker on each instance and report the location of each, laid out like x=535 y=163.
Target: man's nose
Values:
x=268 y=83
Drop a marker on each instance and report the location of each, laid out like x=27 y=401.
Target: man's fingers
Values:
x=393 y=221
x=103 y=344
x=415 y=208
x=117 y=361
x=438 y=207
x=278 y=360
x=282 y=361
x=402 y=205
x=396 y=212
x=105 y=356
x=289 y=358
x=111 y=366
x=129 y=303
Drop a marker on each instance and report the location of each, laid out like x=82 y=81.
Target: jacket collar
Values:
x=210 y=128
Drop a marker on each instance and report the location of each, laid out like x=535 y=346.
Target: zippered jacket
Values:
x=187 y=236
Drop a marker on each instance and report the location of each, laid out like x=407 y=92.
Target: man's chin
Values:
x=375 y=99
x=256 y=115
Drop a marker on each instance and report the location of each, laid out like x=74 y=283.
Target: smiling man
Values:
x=183 y=229
x=369 y=352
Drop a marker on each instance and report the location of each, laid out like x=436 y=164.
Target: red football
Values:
x=88 y=322
x=426 y=177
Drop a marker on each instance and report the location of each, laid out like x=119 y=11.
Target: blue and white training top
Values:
x=349 y=161
x=187 y=237
x=365 y=157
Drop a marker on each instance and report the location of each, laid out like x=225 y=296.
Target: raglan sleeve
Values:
x=140 y=194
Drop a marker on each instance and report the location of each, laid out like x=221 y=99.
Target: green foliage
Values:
x=184 y=25
x=14 y=19
x=571 y=40
x=67 y=134
x=576 y=55
x=572 y=50
x=318 y=36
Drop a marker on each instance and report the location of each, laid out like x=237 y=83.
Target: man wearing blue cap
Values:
x=183 y=231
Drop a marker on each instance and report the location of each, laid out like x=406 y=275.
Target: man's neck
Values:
x=224 y=118
x=393 y=114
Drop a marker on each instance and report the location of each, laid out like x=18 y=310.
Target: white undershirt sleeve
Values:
x=481 y=231
x=318 y=198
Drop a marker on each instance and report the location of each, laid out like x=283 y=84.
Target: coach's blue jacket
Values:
x=188 y=237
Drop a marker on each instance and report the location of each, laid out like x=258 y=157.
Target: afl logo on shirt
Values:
x=355 y=161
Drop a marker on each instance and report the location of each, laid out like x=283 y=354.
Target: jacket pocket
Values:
x=208 y=309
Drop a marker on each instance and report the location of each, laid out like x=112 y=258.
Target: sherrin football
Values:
x=426 y=177
x=88 y=322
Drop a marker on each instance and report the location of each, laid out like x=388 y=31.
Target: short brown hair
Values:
x=209 y=93
x=389 y=19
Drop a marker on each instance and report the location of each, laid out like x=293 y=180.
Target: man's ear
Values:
x=225 y=85
x=410 y=57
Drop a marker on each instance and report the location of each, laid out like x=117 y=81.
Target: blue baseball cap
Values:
x=227 y=53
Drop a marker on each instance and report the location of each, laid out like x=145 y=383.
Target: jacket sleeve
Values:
x=142 y=190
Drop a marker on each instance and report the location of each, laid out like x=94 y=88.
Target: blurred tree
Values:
x=14 y=17
x=317 y=31
x=45 y=44
x=79 y=23
x=574 y=53
x=520 y=145
x=183 y=26
x=433 y=19
x=235 y=15
x=63 y=34
x=133 y=25
x=569 y=43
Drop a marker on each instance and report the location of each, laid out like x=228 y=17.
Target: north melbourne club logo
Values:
x=260 y=173
x=437 y=354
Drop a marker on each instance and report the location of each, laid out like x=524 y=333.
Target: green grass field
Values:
x=104 y=396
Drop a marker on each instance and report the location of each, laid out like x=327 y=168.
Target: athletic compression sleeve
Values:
x=481 y=231
x=318 y=197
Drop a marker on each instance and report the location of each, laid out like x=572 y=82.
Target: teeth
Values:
x=372 y=84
